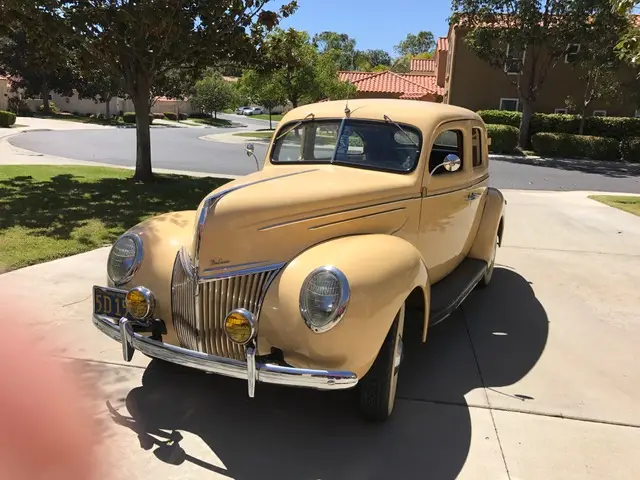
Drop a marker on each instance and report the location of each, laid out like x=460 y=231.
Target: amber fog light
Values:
x=140 y=303
x=240 y=326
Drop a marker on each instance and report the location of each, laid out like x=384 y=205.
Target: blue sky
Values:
x=372 y=23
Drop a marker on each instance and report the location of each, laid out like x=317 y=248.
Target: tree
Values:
x=35 y=67
x=212 y=94
x=141 y=41
x=598 y=66
x=340 y=45
x=294 y=57
x=263 y=89
x=628 y=47
x=96 y=84
x=377 y=58
x=537 y=31
x=423 y=42
x=401 y=64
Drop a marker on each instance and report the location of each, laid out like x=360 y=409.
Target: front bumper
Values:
x=252 y=370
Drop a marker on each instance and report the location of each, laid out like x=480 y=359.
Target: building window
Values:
x=476 y=147
x=515 y=60
x=560 y=110
x=572 y=53
x=599 y=113
x=511 y=104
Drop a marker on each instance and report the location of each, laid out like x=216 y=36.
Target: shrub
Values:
x=52 y=108
x=500 y=117
x=158 y=116
x=171 y=116
x=575 y=146
x=630 y=149
x=504 y=138
x=182 y=116
x=614 y=127
x=7 y=118
x=130 y=117
x=199 y=115
x=18 y=106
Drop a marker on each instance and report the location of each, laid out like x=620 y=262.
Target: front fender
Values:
x=491 y=225
x=382 y=271
x=162 y=236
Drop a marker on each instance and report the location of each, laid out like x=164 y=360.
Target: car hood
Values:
x=270 y=216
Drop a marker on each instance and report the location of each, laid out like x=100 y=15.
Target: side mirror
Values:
x=249 y=149
x=452 y=162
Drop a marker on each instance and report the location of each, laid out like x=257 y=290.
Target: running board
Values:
x=450 y=292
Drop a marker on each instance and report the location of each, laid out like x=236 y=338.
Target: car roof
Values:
x=422 y=114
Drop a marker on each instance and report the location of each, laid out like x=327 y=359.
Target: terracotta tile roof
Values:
x=347 y=76
x=423 y=65
x=443 y=43
x=407 y=85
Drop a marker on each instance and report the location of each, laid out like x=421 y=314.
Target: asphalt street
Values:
x=182 y=149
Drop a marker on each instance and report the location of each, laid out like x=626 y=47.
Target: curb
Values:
x=571 y=163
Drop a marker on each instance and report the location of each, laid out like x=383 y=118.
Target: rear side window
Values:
x=476 y=147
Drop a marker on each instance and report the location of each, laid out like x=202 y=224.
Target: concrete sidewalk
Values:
x=535 y=377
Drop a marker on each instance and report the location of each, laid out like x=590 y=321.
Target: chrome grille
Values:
x=199 y=319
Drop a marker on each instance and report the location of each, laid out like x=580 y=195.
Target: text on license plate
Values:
x=109 y=302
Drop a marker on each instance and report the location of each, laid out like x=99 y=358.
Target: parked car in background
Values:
x=370 y=221
x=253 y=111
x=240 y=110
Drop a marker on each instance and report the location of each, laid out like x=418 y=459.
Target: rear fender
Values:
x=491 y=225
x=382 y=271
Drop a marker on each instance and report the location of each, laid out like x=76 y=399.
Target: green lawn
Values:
x=215 y=122
x=268 y=134
x=48 y=212
x=626 y=203
x=265 y=116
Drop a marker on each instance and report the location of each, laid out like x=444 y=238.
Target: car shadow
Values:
x=606 y=168
x=297 y=433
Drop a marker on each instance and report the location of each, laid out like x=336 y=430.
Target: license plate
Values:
x=109 y=302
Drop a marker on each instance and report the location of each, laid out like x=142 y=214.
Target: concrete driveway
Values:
x=535 y=377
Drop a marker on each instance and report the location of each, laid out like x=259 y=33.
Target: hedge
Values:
x=171 y=116
x=7 y=118
x=158 y=116
x=130 y=117
x=504 y=138
x=576 y=146
x=614 y=127
x=630 y=149
x=182 y=116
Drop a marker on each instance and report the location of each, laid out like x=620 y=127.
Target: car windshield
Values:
x=368 y=144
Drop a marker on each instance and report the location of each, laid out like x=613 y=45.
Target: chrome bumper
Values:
x=253 y=371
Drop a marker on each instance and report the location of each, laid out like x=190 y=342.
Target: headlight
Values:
x=323 y=298
x=124 y=259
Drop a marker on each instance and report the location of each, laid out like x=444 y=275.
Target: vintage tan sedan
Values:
x=302 y=273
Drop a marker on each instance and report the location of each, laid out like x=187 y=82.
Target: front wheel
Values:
x=379 y=385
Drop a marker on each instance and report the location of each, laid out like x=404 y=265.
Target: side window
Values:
x=449 y=141
x=476 y=147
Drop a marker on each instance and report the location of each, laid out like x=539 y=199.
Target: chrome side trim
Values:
x=210 y=203
x=263 y=372
x=346 y=210
x=350 y=219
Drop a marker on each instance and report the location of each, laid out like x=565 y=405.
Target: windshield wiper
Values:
x=294 y=126
x=386 y=117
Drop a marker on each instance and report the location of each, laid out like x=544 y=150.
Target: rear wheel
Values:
x=486 y=279
x=379 y=385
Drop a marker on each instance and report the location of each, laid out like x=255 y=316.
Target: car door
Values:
x=446 y=212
